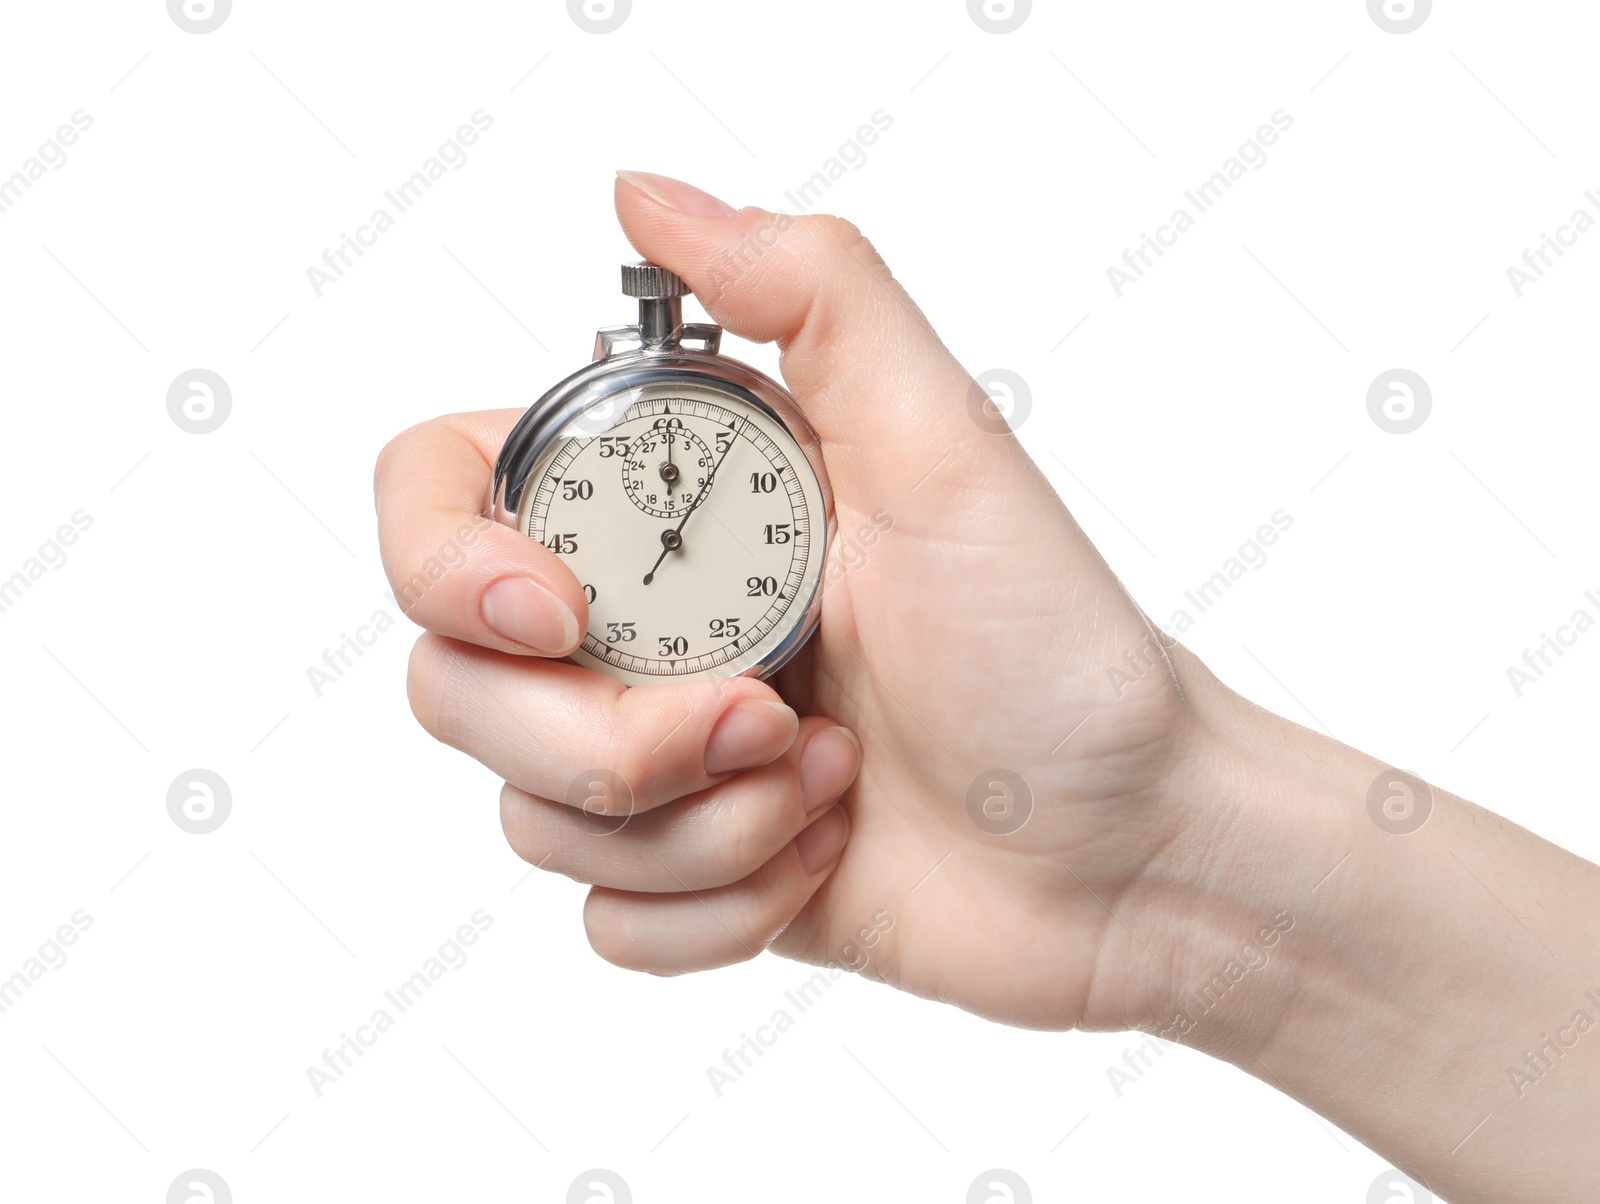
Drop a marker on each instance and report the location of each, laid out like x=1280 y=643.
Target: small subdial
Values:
x=665 y=470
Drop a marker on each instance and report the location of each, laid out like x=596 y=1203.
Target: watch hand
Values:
x=673 y=540
x=669 y=470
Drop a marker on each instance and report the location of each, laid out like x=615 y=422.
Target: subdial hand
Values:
x=669 y=470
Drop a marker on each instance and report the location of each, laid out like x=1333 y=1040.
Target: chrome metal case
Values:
x=587 y=403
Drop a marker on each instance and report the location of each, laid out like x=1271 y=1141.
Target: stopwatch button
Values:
x=646 y=281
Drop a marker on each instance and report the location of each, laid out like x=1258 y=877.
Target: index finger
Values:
x=454 y=570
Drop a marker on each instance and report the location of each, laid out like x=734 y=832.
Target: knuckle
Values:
x=837 y=239
x=758 y=818
x=420 y=683
x=603 y=942
x=392 y=451
x=744 y=849
x=381 y=468
x=610 y=935
x=526 y=836
x=433 y=689
x=407 y=583
x=648 y=737
x=835 y=233
x=633 y=792
x=774 y=904
x=751 y=941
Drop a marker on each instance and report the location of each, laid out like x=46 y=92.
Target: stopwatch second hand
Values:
x=673 y=540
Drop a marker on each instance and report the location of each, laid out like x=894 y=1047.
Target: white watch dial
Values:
x=696 y=525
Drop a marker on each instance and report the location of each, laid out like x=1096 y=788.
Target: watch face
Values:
x=696 y=524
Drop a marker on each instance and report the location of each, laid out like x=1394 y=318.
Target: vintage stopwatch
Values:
x=684 y=490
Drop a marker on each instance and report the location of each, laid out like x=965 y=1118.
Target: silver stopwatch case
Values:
x=650 y=353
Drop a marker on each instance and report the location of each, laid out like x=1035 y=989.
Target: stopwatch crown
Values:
x=646 y=281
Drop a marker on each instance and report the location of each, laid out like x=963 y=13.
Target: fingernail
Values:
x=524 y=612
x=828 y=765
x=675 y=194
x=750 y=733
x=819 y=844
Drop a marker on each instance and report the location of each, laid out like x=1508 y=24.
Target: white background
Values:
x=1229 y=383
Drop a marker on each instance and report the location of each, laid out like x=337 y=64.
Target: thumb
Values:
x=889 y=401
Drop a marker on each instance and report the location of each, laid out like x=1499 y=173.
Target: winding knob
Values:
x=646 y=281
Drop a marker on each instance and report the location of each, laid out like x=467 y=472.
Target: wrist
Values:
x=1410 y=982
x=1235 y=909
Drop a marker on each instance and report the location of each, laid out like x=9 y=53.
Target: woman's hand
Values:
x=1046 y=813
x=1012 y=792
